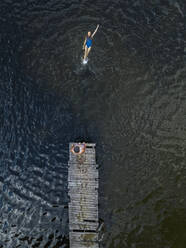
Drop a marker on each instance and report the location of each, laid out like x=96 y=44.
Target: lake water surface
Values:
x=130 y=99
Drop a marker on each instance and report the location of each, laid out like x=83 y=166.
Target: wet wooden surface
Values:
x=83 y=203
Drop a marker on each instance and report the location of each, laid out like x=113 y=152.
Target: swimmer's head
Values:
x=76 y=149
x=89 y=33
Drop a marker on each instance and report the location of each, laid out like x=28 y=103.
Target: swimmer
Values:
x=88 y=43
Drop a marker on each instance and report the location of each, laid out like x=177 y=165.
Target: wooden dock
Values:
x=83 y=194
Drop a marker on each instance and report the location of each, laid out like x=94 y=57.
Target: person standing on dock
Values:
x=78 y=149
x=88 y=43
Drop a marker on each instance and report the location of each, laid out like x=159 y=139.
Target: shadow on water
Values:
x=129 y=99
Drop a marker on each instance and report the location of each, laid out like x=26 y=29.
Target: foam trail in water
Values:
x=85 y=61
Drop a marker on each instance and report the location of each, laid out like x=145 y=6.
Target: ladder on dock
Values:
x=83 y=194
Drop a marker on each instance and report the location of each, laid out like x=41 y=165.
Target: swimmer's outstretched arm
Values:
x=95 y=31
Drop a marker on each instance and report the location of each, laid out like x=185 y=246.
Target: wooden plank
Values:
x=83 y=198
x=82 y=180
x=84 y=236
x=83 y=205
x=84 y=210
x=88 y=223
x=83 y=245
x=84 y=202
x=73 y=191
x=83 y=175
x=87 y=159
x=77 y=178
x=83 y=189
x=92 y=145
x=83 y=226
x=83 y=184
x=78 y=215
x=82 y=169
x=87 y=165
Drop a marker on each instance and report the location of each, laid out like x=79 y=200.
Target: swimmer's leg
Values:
x=88 y=51
x=85 y=54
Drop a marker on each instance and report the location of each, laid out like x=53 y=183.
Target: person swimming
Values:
x=88 y=43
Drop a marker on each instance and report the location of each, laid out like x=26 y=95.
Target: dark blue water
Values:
x=130 y=99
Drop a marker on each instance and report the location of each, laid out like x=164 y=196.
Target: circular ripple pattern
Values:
x=129 y=99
